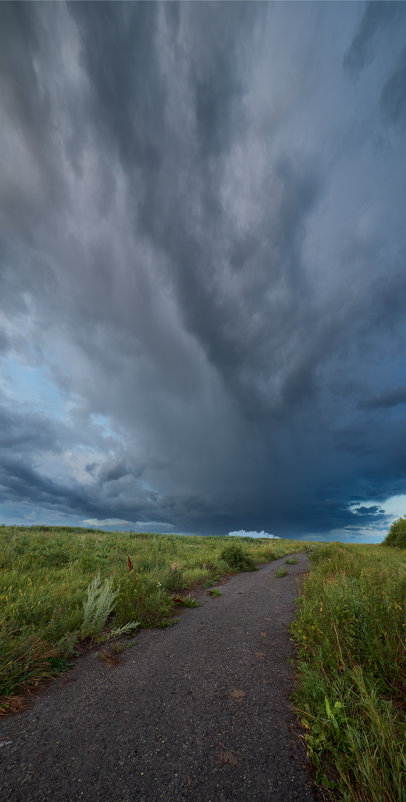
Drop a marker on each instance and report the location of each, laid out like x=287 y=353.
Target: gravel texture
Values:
x=200 y=711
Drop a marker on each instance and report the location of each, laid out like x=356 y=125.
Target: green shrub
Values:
x=237 y=558
x=397 y=534
x=143 y=599
x=98 y=605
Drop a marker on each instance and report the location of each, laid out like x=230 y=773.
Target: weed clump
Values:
x=22 y=662
x=173 y=578
x=99 y=604
x=281 y=572
x=187 y=601
x=237 y=558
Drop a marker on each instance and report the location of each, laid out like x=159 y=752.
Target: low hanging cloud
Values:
x=243 y=533
x=105 y=522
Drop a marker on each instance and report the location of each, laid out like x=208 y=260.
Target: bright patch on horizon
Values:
x=105 y=522
x=243 y=533
x=394 y=506
x=138 y=526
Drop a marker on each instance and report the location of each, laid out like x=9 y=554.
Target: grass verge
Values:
x=350 y=628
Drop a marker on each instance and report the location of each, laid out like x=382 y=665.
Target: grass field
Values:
x=63 y=587
x=351 y=692
x=60 y=587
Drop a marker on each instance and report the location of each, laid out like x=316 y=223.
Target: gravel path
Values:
x=199 y=711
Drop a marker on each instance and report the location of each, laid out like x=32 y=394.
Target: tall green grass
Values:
x=59 y=587
x=351 y=693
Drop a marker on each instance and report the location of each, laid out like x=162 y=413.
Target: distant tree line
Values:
x=397 y=534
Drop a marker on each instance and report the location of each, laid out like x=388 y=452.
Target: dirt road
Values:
x=198 y=712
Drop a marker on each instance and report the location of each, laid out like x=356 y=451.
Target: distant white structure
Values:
x=243 y=533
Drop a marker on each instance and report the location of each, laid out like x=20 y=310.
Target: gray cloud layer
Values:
x=203 y=245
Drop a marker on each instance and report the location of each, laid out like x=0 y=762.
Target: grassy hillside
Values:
x=59 y=587
x=351 y=692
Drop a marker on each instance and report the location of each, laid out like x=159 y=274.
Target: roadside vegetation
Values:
x=61 y=588
x=397 y=534
x=351 y=684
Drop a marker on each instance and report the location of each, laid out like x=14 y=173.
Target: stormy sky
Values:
x=202 y=266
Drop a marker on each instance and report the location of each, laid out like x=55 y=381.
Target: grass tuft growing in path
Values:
x=350 y=627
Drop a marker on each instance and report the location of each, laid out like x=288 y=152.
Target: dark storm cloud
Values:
x=207 y=253
x=113 y=470
x=26 y=432
x=367 y=511
x=390 y=398
x=376 y=17
x=156 y=164
x=19 y=481
x=393 y=96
